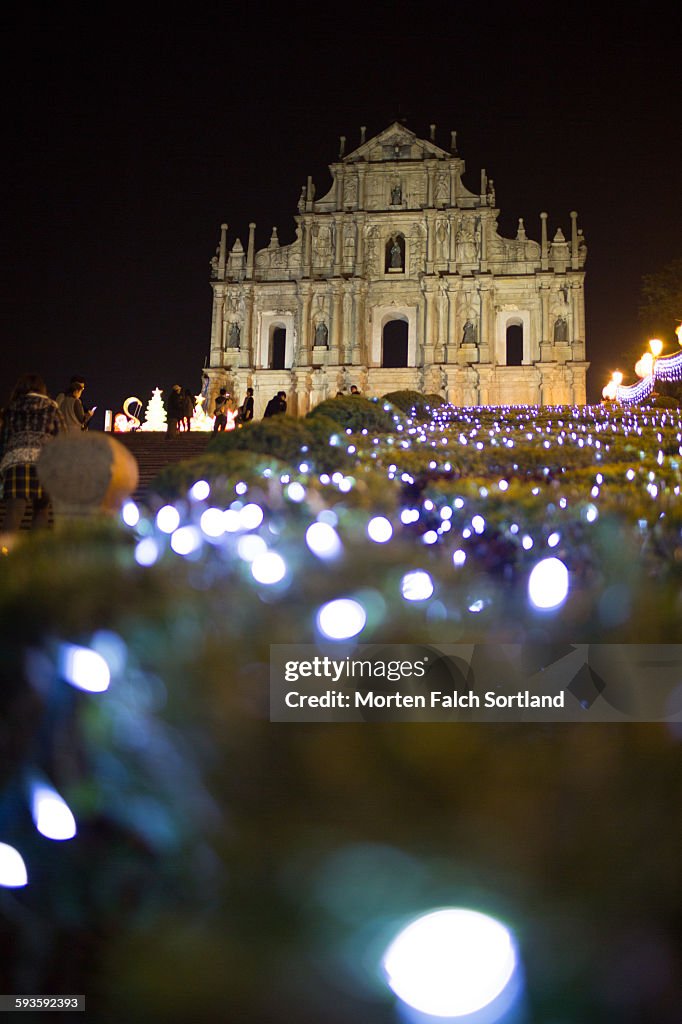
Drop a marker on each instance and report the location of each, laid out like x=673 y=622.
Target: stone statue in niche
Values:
x=466 y=243
x=350 y=190
x=560 y=329
x=396 y=259
x=324 y=242
x=321 y=334
x=441 y=188
x=442 y=240
x=396 y=195
x=469 y=333
x=233 y=335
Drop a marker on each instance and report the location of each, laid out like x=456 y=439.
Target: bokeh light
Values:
x=450 y=962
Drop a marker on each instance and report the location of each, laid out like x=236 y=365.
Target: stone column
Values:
x=575 y=262
x=221 y=252
x=304 y=328
x=250 y=252
x=307 y=245
x=487 y=320
x=450 y=350
x=361 y=186
x=337 y=299
x=249 y=348
x=347 y=328
x=429 y=184
x=338 y=245
x=484 y=243
x=217 y=325
x=443 y=322
x=359 y=269
x=360 y=355
x=544 y=245
x=431 y=320
x=429 y=240
x=546 y=338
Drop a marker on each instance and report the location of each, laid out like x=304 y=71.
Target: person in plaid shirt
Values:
x=31 y=420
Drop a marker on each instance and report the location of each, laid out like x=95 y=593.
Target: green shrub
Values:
x=287 y=438
x=355 y=412
x=414 y=402
x=222 y=471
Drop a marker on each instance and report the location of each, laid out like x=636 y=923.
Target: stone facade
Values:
x=398 y=278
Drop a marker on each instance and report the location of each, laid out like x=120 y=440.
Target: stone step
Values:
x=153 y=451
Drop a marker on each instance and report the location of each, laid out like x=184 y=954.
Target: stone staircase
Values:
x=152 y=451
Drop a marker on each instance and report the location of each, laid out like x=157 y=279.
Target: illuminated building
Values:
x=398 y=278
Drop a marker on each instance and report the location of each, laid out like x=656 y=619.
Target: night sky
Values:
x=132 y=137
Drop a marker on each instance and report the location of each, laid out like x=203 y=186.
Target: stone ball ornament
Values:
x=86 y=475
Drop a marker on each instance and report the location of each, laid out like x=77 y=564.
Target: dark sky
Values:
x=131 y=137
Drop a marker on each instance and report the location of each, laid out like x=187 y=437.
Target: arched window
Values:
x=278 y=348
x=514 y=345
x=394 y=344
x=395 y=255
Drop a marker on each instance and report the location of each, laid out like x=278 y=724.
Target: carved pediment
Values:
x=396 y=143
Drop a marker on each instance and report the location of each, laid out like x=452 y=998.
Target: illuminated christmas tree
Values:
x=155 y=413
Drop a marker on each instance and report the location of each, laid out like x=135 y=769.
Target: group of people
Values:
x=180 y=406
x=224 y=406
x=30 y=420
x=275 y=407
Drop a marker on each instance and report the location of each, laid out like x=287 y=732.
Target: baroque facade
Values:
x=398 y=278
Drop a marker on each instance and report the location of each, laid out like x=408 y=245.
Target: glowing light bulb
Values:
x=450 y=962
x=268 y=568
x=323 y=541
x=341 y=619
x=548 y=584
x=416 y=585
x=168 y=519
x=51 y=815
x=13 y=873
x=84 y=668
x=200 y=490
x=656 y=346
x=186 y=540
x=379 y=530
x=130 y=514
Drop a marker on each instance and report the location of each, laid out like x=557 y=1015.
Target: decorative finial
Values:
x=453 y=142
x=432 y=129
x=363 y=133
x=342 y=146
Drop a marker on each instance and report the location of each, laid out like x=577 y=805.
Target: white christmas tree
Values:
x=155 y=413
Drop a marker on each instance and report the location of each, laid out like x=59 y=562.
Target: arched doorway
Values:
x=514 y=345
x=394 y=344
x=278 y=348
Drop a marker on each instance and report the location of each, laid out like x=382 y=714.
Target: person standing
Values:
x=246 y=408
x=220 y=421
x=187 y=409
x=71 y=408
x=31 y=420
x=175 y=410
x=277 y=405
